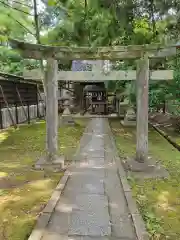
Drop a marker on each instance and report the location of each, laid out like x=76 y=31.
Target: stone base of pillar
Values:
x=57 y=164
x=66 y=118
x=148 y=169
x=128 y=123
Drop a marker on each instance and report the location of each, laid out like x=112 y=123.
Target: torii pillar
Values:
x=51 y=159
x=142 y=110
x=140 y=162
x=51 y=86
x=142 y=165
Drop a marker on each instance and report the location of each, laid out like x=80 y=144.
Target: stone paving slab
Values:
x=92 y=154
x=93 y=144
x=91 y=203
x=91 y=216
x=96 y=224
x=55 y=236
x=81 y=202
x=123 y=229
x=83 y=169
x=95 y=163
x=89 y=183
x=121 y=222
x=59 y=223
x=117 y=201
x=89 y=166
x=94 y=238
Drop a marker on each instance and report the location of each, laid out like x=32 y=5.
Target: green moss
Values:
x=158 y=200
x=23 y=191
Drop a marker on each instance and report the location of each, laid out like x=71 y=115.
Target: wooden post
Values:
x=28 y=114
x=118 y=108
x=16 y=112
x=142 y=110
x=37 y=101
x=19 y=96
x=7 y=106
x=51 y=108
x=1 y=119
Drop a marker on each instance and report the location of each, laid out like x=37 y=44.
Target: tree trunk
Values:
x=164 y=106
x=142 y=110
x=38 y=40
x=51 y=108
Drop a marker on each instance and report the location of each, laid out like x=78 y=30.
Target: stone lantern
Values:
x=67 y=118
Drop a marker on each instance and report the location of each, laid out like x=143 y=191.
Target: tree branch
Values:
x=85 y=3
x=29 y=31
x=23 y=4
x=36 y=20
x=152 y=16
x=9 y=6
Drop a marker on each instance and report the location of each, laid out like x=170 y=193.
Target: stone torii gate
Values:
x=142 y=75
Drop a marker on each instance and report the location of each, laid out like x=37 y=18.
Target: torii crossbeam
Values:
x=37 y=51
x=91 y=76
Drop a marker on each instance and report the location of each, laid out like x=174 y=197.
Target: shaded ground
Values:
x=158 y=200
x=167 y=124
x=23 y=191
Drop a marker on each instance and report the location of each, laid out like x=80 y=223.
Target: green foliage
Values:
x=11 y=61
x=94 y=27
x=15 y=24
x=142 y=33
x=51 y=2
x=153 y=223
x=175 y=87
x=12 y=21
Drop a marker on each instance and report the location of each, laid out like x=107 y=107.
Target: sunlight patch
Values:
x=40 y=184
x=163 y=202
x=3 y=136
x=3 y=174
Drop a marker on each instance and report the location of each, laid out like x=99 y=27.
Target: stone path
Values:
x=92 y=205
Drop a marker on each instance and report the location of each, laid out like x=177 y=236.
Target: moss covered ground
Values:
x=24 y=191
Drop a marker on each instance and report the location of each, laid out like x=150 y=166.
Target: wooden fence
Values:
x=20 y=100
